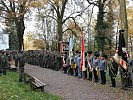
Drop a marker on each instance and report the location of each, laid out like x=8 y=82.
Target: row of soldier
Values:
x=12 y=58
x=42 y=58
x=95 y=65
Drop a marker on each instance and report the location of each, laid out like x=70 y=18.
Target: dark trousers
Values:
x=95 y=75
x=70 y=70
x=113 y=81
x=84 y=74
x=103 y=77
x=0 y=72
x=76 y=71
x=90 y=74
x=65 y=69
x=21 y=74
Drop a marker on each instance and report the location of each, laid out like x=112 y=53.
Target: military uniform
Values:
x=16 y=60
x=21 y=67
x=90 y=65
x=95 y=68
x=103 y=67
x=4 y=63
x=113 y=69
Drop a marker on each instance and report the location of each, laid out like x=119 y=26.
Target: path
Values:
x=73 y=88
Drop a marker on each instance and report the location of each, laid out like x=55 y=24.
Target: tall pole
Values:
x=124 y=22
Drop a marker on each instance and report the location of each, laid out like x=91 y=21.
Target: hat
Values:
x=96 y=54
x=85 y=54
x=89 y=52
x=105 y=56
x=121 y=31
x=77 y=51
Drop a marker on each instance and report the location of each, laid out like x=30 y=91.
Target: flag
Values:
x=70 y=49
x=61 y=47
x=121 y=53
x=82 y=62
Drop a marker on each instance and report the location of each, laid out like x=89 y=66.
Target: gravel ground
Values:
x=73 y=88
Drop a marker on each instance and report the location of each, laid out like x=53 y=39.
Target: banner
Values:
x=82 y=62
x=70 y=49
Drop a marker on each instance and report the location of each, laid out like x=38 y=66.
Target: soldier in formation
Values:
x=21 y=60
x=3 y=63
x=113 y=69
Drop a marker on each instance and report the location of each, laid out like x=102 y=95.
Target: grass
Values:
x=11 y=89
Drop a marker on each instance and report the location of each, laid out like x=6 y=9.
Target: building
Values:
x=4 y=39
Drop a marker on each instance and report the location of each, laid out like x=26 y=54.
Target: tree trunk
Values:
x=59 y=31
x=20 y=31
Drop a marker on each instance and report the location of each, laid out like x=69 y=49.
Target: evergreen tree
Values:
x=101 y=27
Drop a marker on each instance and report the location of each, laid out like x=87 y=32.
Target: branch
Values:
x=51 y=17
x=74 y=13
x=53 y=6
x=91 y=16
x=3 y=3
x=67 y=30
x=93 y=2
x=63 y=7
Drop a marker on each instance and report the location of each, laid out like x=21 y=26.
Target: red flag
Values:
x=82 y=62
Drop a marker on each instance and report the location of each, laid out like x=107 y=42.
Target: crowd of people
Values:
x=15 y=59
x=96 y=65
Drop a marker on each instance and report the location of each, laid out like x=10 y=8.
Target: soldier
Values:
x=78 y=65
x=103 y=67
x=90 y=65
x=96 y=66
x=113 y=69
x=76 y=61
x=16 y=59
x=86 y=64
x=0 y=64
x=21 y=67
x=41 y=59
x=4 y=63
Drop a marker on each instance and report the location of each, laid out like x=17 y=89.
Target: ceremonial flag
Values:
x=70 y=49
x=82 y=62
x=121 y=53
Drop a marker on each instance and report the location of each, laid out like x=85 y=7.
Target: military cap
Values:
x=121 y=31
x=85 y=54
x=77 y=51
x=96 y=54
x=104 y=55
x=89 y=52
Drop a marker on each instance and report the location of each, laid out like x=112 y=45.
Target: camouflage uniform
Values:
x=21 y=67
x=4 y=64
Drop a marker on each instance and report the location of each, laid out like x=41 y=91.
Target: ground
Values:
x=73 y=88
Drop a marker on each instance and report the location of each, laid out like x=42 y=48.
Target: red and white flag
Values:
x=82 y=62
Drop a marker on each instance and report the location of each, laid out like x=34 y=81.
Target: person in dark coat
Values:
x=103 y=68
x=4 y=63
x=21 y=67
x=16 y=59
x=90 y=65
x=96 y=62
x=113 y=69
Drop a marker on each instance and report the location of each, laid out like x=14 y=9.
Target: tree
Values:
x=14 y=11
x=101 y=26
x=59 y=7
